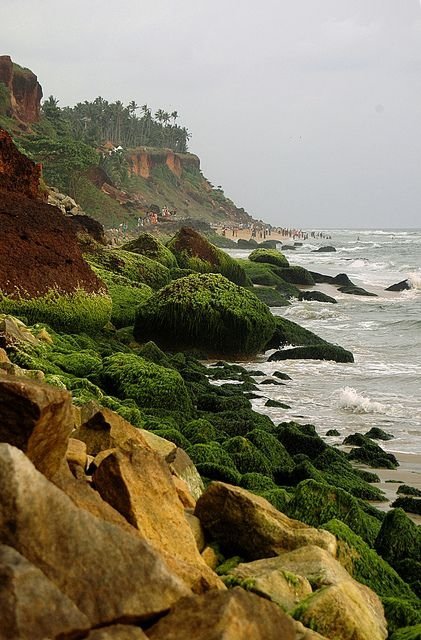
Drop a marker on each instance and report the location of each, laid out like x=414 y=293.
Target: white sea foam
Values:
x=415 y=280
x=350 y=400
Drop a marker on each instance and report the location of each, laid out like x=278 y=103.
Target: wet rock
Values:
x=357 y=291
x=314 y=352
x=92 y=562
x=326 y=249
x=333 y=432
x=376 y=433
x=317 y=296
x=251 y=525
x=31 y=606
x=409 y=504
x=37 y=419
x=222 y=615
x=399 y=286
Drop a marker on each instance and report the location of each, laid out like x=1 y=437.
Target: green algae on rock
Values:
x=71 y=312
x=297 y=275
x=269 y=256
x=193 y=251
x=150 y=385
x=314 y=352
x=147 y=245
x=135 y=267
x=206 y=312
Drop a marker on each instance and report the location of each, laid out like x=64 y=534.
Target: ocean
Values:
x=383 y=387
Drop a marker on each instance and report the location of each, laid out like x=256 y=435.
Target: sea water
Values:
x=382 y=388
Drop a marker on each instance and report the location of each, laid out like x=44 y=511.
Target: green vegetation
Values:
x=288 y=332
x=246 y=457
x=195 y=252
x=147 y=245
x=408 y=633
x=374 y=456
x=269 y=256
x=399 y=538
x=271 y=297
x=134 y=267
x=205 y=312
x=150 y=385
x=297 y=275
x=71 y=312
x=316 y=503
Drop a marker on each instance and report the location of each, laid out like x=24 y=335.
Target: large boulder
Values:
x=37 y=419
x=269 y=256
x=147 y=245
x=32 y=607
x=205 y=312
x=232 y=614
x=314 y=352
x=251 y=525
x=195 y=252
x=108 y=573
x=347 y=610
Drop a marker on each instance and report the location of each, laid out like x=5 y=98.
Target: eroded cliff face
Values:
x=142 y=161
x=18 y=174
x=24 y=90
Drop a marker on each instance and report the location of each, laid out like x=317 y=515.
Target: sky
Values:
x=307 y=112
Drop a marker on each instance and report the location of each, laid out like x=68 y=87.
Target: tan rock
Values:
x=183 y=467
x=13 y=332
x=267 y=579
x=164 y=447
x=37 y=419
x=347 y=611
x=109 y=574
x=210 y=556
x=28 y=599
x=117 y=632
x=183 y=493
x=252 y=525
x=76 y=453
x=229 y=615
x=314 y=563
x=105 y=429
x=137 y=482
x=303 y=633
x=4 y=357
x=197 y=530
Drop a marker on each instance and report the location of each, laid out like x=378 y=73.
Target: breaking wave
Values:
x=350 y=400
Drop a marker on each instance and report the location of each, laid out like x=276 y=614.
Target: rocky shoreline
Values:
x=140 y=494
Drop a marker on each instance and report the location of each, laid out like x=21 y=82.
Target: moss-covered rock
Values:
x=365 y=565
x=374 y=456
x=376 y=433
x=406 y=490
x=297 y=438
x=314 y=352
x=399 y=538
x=257 y=482
x=276 y=403
x=70 y=312
x=201 y=431
x=79 y=363
x=267 y=275
x=409 y=504
x=134 y=267
x=273 y=450
x=205 y=312
x=150 y=385
x=288 y=332
x=401 y=613
x=193 y=251
x=271 y=297
x=215 y=403
x=407 y=633
x=239 y=423
x=316 y=503
x=297 y=275
x=180 y=273
x=147 y=245
x=246 y=456
x=269 y=256
x=150 y=351
x=317 y=296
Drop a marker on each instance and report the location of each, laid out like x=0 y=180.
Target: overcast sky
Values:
x=307 y=112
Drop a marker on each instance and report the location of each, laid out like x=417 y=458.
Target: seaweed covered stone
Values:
x=205 y=312
x=147 y=245
x=134 y=267
x=269 y=256
x=193 y=251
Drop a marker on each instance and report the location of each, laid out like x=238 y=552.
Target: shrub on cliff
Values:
x=136 y=268
x=269 y=256
x=193 y=251
x=70 y=312
x=147 y=245
x=205 y=312
x=150 y=385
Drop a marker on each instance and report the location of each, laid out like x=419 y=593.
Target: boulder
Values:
x=349 y=611
x=138 y=484
x=317 y=296
x=314 y=352
x=37 y=419
x=117 y=632
x=269 y=256
x=108 y=573
x=105 y=429
x=76 y=453
x=267 y=578
x=147 y=245
x=32 y=607
x=205 y=312
x=325 y=249
x=14 y=332
x=184 y=493
x=251 y=525
x=399 y=286
x=232 y=614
